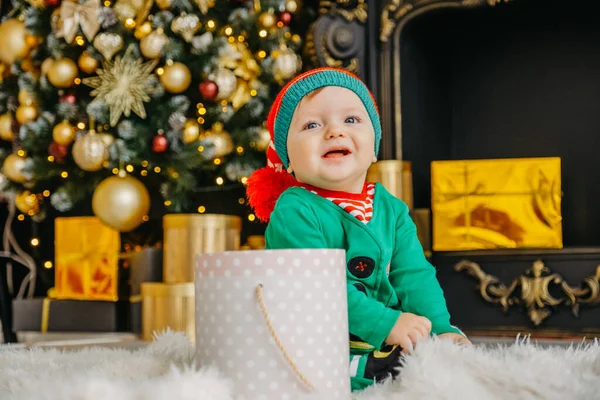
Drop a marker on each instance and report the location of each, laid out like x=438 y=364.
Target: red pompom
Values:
x=264 y=188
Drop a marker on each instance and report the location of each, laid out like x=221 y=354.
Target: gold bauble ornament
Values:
x=263 y=139
x=152 y=45
x=14 y=168
x=27 y=203
x=293 y=5
x=26 y=114
x=108 y=139
x=27 y=65
x=6 y=132
x=90 y=151
x=63 y=133
x=62 y=73
x=176 y=77
x=45 y=67
x=4 y=72
x=15 y=43
x=286 y=65
x=226 y=81
x=87 y=63
x=121 y=202
x=267 y=19
x=143 y=30
x=164 y=4
x=26 y=98
x=124 y=10
x=33 y=41
x=220 y=140
x=191 y=131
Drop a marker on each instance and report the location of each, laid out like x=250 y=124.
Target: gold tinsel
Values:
x=123 y=85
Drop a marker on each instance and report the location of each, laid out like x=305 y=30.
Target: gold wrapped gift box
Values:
x=87 y=259
x=501 y=203
x=186 y=235
x=168 y=306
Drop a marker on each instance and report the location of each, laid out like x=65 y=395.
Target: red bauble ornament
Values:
x=160 y=144
x=208 y=90
x=68 y=98
x=285 y=17
x=51 y=3
x=58 y=151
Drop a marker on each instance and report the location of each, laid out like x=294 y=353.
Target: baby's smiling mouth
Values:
x=336 y=152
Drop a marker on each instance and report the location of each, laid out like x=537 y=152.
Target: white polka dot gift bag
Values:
x=275 y=322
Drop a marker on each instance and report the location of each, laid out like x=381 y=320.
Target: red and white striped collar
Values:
x=367 y=187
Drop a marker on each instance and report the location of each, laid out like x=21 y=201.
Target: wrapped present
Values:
x=170 y=306
x=254 y=242
x=50 y=315
x=144 y=266
x=396 y=177
x=500 y=203
x=186 y=235
x=86 y=259
x=422 y=219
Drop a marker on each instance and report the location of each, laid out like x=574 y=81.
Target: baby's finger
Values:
x=406 y=344
x=423 y=330
x=426 y=323
x=415 y=336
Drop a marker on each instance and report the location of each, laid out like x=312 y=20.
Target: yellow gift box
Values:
x=499 y=203
x=87 y=259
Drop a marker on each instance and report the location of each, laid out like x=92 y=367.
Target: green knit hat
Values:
x=280 y=116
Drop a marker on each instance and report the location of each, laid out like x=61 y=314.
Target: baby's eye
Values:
x=311 y=125
x=351 y=120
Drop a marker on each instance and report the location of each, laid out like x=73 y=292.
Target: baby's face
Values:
x=331 y=140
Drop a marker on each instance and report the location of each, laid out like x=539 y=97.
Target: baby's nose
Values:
x=334 y=131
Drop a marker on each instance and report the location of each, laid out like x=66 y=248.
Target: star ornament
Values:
x=124 y=85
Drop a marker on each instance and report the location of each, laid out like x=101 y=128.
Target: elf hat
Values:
x=266 y=184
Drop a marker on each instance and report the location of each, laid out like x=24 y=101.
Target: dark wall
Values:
x=517 y=80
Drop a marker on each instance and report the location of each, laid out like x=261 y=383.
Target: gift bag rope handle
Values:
x=263 y=308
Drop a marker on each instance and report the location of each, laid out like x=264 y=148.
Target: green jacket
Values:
x=384 y=257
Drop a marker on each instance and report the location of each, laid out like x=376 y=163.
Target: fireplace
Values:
x=479 y=79
x=517 y=80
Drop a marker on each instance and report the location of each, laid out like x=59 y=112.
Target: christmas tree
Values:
x=111 y=101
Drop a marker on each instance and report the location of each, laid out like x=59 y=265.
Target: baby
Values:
x=325 y=132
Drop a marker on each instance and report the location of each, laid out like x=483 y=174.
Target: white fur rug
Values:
x=436 y=370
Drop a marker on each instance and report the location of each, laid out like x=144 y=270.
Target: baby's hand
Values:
x=409 y=329
x=455 y=337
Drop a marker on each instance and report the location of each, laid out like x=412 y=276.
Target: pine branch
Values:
x=67 y=111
